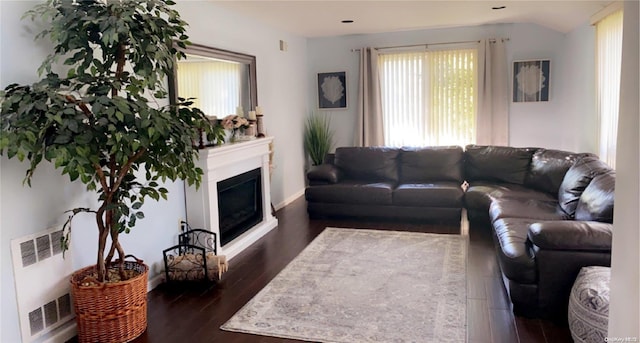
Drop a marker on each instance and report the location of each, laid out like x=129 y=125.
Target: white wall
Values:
x=544 y=124
x=282 y=83
x=579 y=92
x=624 y=310
x=282 y=92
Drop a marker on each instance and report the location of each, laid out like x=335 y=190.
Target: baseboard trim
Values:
x=63 y=333
x=155 y=282
x=290 y=199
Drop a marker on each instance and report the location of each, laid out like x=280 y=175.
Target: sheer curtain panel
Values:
x=369 y=126
x=493 y=93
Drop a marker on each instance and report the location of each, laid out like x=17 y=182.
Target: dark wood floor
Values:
x=194 y=314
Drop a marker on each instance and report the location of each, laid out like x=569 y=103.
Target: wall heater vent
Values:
x=42 y=287
x=50 y=314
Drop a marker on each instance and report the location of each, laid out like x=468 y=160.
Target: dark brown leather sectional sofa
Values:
x=390 y=183
x=550 y=211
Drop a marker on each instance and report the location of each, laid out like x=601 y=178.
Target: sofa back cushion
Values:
x=368 y=163
x=596 y=202
x=548 y=168
x=576 y=180
x=443 y=163
x=497 y=163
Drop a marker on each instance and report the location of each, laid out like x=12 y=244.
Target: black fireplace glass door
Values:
x=239 y=204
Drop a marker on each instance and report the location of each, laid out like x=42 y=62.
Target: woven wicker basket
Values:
x=111 y=312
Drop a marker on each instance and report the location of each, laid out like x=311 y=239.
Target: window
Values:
x=608 y=70
x=429 y=97
x=201 y=77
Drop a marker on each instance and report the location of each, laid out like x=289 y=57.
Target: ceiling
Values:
x=310 y=18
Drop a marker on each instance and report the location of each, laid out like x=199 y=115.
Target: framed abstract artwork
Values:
x=531 y=80
x=332 y=90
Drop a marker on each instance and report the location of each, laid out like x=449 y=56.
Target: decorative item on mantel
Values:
x=237 y=124
x=215 y=137
x=251 y=130
x=260 y=123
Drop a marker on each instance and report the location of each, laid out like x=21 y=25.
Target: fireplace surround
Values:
x=244 y=165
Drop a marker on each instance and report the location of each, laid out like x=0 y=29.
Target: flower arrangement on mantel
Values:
x=235 y=123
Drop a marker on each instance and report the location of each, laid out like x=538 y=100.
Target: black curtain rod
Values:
x=430 y=44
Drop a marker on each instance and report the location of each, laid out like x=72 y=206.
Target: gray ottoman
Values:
x=589 y=305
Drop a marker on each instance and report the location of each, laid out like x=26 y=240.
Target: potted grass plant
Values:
x=318 y=138
x=102 y=122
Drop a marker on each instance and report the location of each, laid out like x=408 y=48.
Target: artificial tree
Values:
x=102 y=122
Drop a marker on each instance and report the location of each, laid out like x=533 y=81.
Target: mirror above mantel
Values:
x=221 y=81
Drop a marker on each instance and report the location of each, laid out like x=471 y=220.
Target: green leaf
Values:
x=30 y=136
x=73 y=175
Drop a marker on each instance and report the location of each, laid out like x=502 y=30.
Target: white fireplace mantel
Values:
x=220 y=163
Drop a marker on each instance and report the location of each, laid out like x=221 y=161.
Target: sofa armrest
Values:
x=571 y=235
x=323 y=174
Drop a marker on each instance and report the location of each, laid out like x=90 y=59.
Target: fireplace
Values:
x=234 y=198
x=239 y=204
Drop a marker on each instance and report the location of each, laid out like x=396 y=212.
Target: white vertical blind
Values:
x=453 y=97
x=608 y=66
x=429 y=97
x=402 y=89
x=216 y=85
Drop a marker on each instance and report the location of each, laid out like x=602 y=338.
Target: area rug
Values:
x=355 y=285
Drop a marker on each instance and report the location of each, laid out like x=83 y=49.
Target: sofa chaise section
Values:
x=548 y=220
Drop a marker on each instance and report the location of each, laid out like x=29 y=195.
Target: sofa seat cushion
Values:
x=436 y=194
x=352 y=192
x=515 y=254
x=526 y=208
x=480 y=194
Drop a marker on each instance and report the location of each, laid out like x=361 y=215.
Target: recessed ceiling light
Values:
x=498 y=7
x=347 y=21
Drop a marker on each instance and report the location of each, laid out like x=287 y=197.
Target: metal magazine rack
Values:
x=195 y=258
